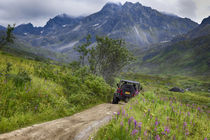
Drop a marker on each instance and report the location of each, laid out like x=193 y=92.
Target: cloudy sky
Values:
x=38 y=12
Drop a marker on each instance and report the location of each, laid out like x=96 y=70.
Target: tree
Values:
x=83 y=50
x=7 y=37
x=109 y=57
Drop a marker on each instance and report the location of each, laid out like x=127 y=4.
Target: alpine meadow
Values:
x=124 y=72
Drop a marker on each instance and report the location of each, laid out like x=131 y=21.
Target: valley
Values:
x=57 y=81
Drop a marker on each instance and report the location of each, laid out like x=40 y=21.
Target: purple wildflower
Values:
x=156 y=123
x=167 y=130
x=174 y=137
x=118 y=113
x=145 y=133
x=163 y=133
x=205 y=138
x=185 y=124
x=123 y=112
x=186 y=132
x=157 y=137
x=134 y=132
x=188 y=113
x=199 y=109
x=129 y=121
x=139 y=125
x=121 y=124
x=135 y=123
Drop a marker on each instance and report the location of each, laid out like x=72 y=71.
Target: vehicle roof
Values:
x=129 y=81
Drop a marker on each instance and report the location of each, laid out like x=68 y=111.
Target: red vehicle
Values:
x=126 y=90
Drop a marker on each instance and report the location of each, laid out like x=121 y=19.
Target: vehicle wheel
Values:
x=126 y=100
x=115 y=100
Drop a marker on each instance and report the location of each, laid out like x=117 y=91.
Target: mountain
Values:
x=188 y=56
x=25 y=29
x=137 y=24
x=2 y=28
x=202 y=30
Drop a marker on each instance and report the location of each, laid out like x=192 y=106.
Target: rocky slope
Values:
x=137 y=24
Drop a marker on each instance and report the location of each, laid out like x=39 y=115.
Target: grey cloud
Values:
x=24 y=11
x=187 y=8
x=39 y=11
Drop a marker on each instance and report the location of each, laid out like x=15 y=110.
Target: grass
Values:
x=160 y=114
x=33 y=92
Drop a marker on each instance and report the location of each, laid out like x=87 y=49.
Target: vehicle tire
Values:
x=115 y=100
x=126 y=100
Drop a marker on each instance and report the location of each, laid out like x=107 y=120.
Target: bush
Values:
x=21 y=79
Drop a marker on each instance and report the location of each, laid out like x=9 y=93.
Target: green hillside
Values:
x=34 y=91
x=188 y=57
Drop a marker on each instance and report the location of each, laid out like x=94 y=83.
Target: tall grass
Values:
x=158 y=113
x=33 y=92
x=155 y=117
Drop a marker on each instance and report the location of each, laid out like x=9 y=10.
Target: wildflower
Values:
x=199 y=109
x=134 y=132
x=156 y=123
x=163 y=133
x=186 y=132
x=139 y=126
x=157 y=137
x=135 y=123
x=145 y=133
x=129 y=121
x=205 y=138
x=184 y=125
x=188 y=113
x=118 y=113
x=167 y=130
x=121 y=124
x=148 y=110
x=174 y=137
x=123 y=112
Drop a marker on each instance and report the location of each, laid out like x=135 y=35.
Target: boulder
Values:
x=176 y=89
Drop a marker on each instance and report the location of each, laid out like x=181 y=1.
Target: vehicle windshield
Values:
x=135 y=85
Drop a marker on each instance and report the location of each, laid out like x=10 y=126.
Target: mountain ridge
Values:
x=138 y=25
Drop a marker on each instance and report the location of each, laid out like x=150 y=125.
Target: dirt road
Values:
x=76 y=127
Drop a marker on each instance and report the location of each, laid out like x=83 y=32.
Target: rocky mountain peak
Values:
x=131 y=5
x=112 y=6
x=206 y=21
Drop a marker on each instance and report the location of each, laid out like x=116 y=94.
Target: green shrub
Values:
x=21 y=79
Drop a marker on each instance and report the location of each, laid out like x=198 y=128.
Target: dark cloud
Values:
x=39 y=11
